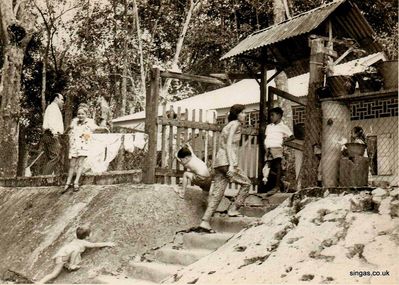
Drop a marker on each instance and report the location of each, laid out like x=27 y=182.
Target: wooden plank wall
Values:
x=188 y=126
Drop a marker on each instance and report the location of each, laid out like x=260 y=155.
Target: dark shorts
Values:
x=203 y=182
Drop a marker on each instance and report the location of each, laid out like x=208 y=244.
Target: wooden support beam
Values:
x=365 y=96
x=295 y=144
x=235 y=76
x=274 y=75
x=251 y=71
x=151 y=127
x=313 y=123
x=262 y=127
x=344 y=42
x=286 y=95
x=191 y=77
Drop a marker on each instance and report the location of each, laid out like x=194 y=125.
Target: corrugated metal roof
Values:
x=300 y=24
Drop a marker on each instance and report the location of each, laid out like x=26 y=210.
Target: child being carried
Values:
x=197 y=171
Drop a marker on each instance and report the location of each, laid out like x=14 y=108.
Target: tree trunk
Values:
x=140 y=41
x=179 y=44
x=23 y=151
x=44 y=75
x=9 y=111
x=16 y=24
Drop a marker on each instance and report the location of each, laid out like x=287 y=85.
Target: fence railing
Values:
x=190 y=126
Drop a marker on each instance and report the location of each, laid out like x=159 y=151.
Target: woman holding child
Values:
x=226 y=167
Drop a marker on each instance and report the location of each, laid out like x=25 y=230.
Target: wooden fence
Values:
x=188 y=126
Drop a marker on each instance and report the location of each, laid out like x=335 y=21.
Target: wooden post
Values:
x=262 y=126
x=151 y=127
x=313 y=123
x=336 y=125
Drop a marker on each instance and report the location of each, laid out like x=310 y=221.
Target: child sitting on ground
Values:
x=69 y=257
x=198 y=173
x=276 y=134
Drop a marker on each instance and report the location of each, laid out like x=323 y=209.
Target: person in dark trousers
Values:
x=276 y=134
x=53 y=127
x=227 y=170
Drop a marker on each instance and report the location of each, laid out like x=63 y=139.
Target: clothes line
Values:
x=105 y=147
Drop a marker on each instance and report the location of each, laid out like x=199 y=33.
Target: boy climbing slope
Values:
x=198 y=173
x=68 y=256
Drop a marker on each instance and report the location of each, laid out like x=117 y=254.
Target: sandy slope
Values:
x=318 y=240
x=36 y=222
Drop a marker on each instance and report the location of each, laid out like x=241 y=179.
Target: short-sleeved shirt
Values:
x=76 y=246
x=275 y=133
x=221 y=156
x=52 y=119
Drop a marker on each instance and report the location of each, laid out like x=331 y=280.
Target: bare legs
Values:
x=187 y=177
x=71 y=171
x=80 y=162
x=56 y=271
x=76 y=165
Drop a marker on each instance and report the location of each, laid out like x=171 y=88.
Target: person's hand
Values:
x=231 y=171
x=110 y=244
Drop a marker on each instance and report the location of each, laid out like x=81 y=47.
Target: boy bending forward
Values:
x=68 y=256
x=197 y=171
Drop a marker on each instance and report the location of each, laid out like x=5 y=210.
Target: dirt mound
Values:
x=343 y=238
x=36 y=222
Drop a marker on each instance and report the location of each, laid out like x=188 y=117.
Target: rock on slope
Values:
x=318 y=240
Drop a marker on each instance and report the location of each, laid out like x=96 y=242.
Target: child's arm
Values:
x=99 y=244
x=189 y=148
x=290 y=138
x=177 y=158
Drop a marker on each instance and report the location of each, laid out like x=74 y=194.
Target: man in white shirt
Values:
x=276 y=134
x=53 y=127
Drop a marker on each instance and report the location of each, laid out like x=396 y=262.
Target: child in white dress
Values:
x=81 y=131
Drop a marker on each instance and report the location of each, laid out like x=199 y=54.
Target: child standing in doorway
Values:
x=276 y=134
x=69 y=257
x=81 y=131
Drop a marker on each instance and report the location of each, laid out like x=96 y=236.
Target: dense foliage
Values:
x=94 y=47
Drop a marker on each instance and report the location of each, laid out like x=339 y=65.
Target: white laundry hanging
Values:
x=103 y=149
x=133 y=141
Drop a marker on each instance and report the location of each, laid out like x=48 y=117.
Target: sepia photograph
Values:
x=199 y=142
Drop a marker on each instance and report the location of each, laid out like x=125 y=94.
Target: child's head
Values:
x=237 y=113
x=82 y=232
x=184 y=154
x=358 y=133
x=82 y=112
x=276 y=114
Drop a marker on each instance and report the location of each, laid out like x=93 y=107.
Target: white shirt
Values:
x=53 y=119
x=275 y=133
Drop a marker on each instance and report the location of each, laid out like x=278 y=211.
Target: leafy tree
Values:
x=16 y=30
